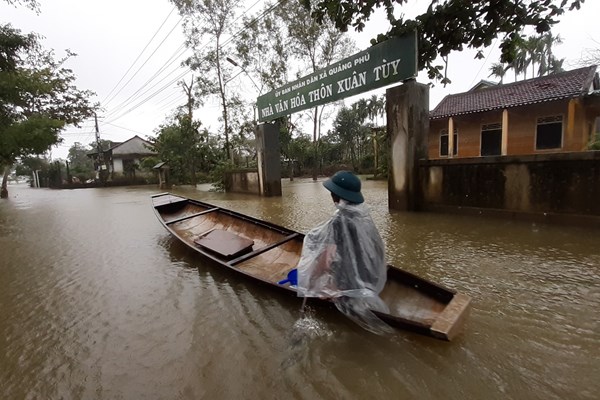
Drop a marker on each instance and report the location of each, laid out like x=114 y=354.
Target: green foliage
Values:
x=450 y=25
x=595 y=142
x=261 y=49
x=129 y=168
x=535 y=52
x=56 y=174
x=186 y=148
x=147 y=163
x=498 y=70
x=301 y=151
x=37 y=96
x=80 y=164
x=206 y=22
x=357 y=140
x=217 y=175
x=27 y=165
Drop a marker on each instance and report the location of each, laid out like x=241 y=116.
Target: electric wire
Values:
x=484 y=62
x=122 y=127
x=227 y=42
x=133 y=97
x=174 y=57
x=138 y=57
x=151 y=96
x=146 y=61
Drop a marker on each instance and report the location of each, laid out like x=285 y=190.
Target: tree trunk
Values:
x=316 y=149
x=375 y=154
x=4 y=190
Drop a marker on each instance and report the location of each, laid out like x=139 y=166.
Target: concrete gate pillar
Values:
x=269 y=164
x=407 y=108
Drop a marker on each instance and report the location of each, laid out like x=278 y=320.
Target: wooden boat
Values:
x=267 y=252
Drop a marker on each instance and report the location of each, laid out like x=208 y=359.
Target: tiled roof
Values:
x=134 y=145
x=563 y=85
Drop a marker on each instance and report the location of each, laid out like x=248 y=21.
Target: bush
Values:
x=595 y=142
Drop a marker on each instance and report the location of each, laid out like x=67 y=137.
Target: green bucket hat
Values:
x=346 y=186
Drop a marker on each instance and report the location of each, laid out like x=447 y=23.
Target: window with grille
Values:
x=444 y=143
x=491 y=139
x=549 y=133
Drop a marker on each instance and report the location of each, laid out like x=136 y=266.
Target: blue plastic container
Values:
x=292 y=278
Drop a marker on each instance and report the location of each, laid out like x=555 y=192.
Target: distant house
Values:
x=124 y=158
x=554 y=113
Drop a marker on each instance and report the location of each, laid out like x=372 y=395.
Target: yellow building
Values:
x=550 y=114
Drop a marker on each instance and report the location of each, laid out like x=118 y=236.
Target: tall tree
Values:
x=262 y=50
x=520 y=60
x=315 y=46
x=548 y=63
x=537 y=52
x=350 y=130
x=80 y=163
x=37 y=98
x=206 y=25
x=556 y=65
x=182 y=143
x=534 y=47
x=450 y=25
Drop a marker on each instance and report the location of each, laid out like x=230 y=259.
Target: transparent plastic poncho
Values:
x=343 y=259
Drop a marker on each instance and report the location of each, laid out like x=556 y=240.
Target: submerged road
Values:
x=98 y=301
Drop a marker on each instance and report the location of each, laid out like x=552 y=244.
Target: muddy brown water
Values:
x=98 y=301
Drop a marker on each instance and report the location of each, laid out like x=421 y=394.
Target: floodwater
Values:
x=97 y=301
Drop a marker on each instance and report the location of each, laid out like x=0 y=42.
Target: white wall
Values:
x=118 y=165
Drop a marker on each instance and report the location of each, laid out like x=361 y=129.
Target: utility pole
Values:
x=101 y=174
x=189 y=128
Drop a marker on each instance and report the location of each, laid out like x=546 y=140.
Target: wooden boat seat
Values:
x=224 y=243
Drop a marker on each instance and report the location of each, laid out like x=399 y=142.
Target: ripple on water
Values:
x=98 y=301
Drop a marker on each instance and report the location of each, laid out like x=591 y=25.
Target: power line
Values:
x=168 y=98
x=146 y=61
x=149 y=89
x=122 y=127
x=238 y=33
x=133 y=96
x=151 y=96
x=172 y=102
x=484 y=62
x=139 y=55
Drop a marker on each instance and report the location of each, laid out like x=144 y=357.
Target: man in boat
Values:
x=343 y=259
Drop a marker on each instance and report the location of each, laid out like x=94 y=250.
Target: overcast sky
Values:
x=129 y=53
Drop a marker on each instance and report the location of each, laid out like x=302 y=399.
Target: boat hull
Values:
x=266 y=252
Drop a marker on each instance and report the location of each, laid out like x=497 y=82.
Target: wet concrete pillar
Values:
x=269 y=164
x=407 y=108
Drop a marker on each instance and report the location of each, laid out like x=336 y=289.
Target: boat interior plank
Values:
x=192 y=215
x=407 y=302
x=273 y=265
x=263 y=249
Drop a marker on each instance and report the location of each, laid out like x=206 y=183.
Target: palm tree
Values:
x=498 y=70
x=556 y=65
x=534 y=46
x=520 y=62
x=361 y=107
x=548 y=63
